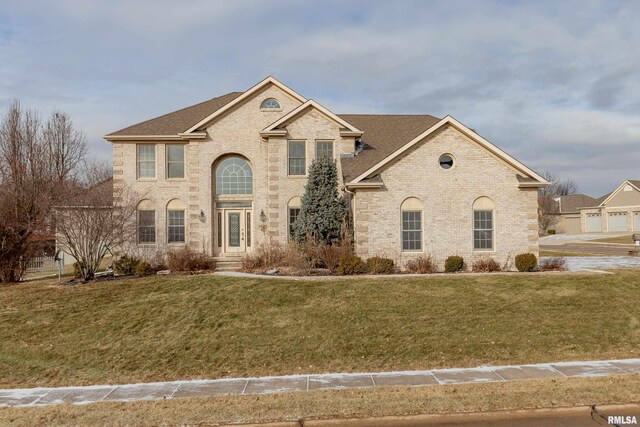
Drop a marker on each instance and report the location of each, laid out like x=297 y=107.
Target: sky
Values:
x=554 y=83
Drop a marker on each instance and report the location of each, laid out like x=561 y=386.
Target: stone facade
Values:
x=447 y=196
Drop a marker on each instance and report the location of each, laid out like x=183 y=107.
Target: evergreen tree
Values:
x=322 y=210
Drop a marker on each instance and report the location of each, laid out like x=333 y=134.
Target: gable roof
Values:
x=290 y=116
x=450 y=121
x=634 y=183
x=172 y=124
x=383 y=135
x=573 y=202
x=269 y=80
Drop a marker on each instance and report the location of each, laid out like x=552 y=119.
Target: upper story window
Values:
x=270 y=104
x=234 y=176
x=324 y=148
x=175 y=160
x=297 y=158
x=146 y=161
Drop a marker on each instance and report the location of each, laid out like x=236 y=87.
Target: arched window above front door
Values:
x=234 y=176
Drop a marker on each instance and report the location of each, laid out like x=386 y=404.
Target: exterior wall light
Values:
x=203 y=218
x=263 y=216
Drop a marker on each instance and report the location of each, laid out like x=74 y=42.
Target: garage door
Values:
x=617 y=221
x=594 y=223
x=636 y=221
x=572 y=225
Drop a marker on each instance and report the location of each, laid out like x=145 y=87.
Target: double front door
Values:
x=234 y=230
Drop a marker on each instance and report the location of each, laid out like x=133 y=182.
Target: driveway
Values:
x=562 y=239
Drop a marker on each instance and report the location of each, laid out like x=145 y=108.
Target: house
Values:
x=618 y=211
x=568 y=211
x=227 y=175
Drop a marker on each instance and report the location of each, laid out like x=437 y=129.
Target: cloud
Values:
x=554 y=83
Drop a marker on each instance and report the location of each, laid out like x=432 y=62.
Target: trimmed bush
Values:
x=553 y=264
x=485 y=265
x=351 y=264
x=526 y=262
x=144 y=269
x=126 y=265
x=453 y=263
x=420 y=265
x=186 y=259
x=380 y=265
x=551 y=232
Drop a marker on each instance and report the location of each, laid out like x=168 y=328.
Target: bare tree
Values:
x=548 y=210
x=31 y=182
x=557 y=187
x=95 y=223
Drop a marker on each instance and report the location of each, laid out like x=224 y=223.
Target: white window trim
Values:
x=412 y=251
x=155 y=227
x=493 y=231
x=184 y=162
x=185 y=227
x=155 y=163
x=306 y=166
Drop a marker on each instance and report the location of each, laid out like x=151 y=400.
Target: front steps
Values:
x=227 y=263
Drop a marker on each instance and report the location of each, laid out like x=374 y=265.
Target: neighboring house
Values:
x=618 y=211
x=568 y=208
x=228 y=174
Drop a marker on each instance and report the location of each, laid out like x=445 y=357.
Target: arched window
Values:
x=293 y=212
x=270 y=104
x=234 y=176
x=411 y=224
x=483 y=224
x=176 y=225
x=146 y=222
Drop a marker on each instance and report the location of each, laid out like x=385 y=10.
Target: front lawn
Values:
x=627 y=240
x=186 y=327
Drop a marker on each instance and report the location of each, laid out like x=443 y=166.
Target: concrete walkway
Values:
x=263 y=385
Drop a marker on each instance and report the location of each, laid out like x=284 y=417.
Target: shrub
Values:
x=144 y=269
x=186 y=259
x=453 y=263
x=485 y=265
x=126 y=265
x=77 y=273
x=551 y=231
x=329 y=255
x=553 y=264
x=420 y=265
x=351 y=264
x=380 y=265
x=298 y=258
x=264 y=257
x=526 y=262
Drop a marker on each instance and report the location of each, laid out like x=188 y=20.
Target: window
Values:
x=297 y=158
x=324 y=148
x=175 y=229
x=248 y=227
x=411 y=231
x=446 y=161
x=411 y=224
x=219 y=229
x=294 y=213
x=270 y=104
x=234 y=176
x=146 y=226
x=146 y=161
x=175 y=161
x=483 y=224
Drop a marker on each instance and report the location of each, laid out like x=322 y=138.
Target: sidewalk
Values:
x=289 y=383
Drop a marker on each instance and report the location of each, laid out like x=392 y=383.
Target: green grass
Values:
x=627 y=240
x=184 y=327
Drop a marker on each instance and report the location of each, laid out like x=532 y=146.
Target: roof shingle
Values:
x=178 y=121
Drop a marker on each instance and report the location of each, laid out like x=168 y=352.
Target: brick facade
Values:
x=447 y=195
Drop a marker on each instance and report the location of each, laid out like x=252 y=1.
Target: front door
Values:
x=235 y=231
